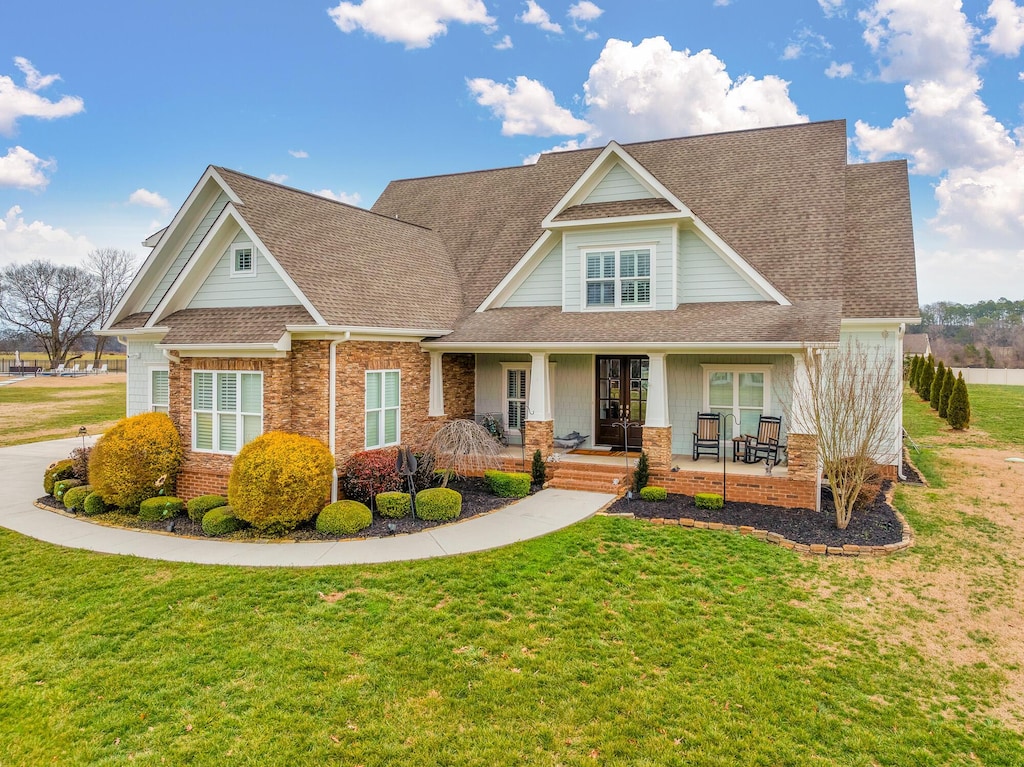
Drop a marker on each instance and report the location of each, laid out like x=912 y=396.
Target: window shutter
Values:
x=202 y=391
x=252 y=393
x=228 y=436
x=373 y=387
x=227 y=391
x=391 y=389
x=203 y=436
x=161 y=391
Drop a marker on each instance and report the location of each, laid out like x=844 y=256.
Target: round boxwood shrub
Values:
x=710 y=501
x=62 y=486
x=74 y=498
x=438 y=503
x=344 y=518
x=280 y=480
x=160 y=507
x=135 y=459
x=508 y=484
x=653 y=493
x=221 y=521
x=94 y=504
x=56 y=471
x=201 y=504
x=394 y=505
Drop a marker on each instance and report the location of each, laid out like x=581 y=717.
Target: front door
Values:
x=621 y=399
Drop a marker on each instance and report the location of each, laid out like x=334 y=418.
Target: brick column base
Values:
x=539 y=435
x=802 y=456
x=658 y=446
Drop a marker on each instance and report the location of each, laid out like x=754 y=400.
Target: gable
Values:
x=618 y=184
x=223 y=289
x=704 y=276
x=543 y=286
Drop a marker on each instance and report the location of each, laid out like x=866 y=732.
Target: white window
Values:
x=617 y=279
x=243 y=260
x=227 y=410
x=383 y=408
x=159 y=391
x=515 y=398
x=740 y=393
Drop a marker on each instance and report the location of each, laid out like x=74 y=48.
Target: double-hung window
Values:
x=227 y=410
x=383 y=408
x=739 y=393
x=515 y=398
x=618 y=279
x=159 y=390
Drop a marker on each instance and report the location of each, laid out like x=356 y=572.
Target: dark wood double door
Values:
x=621 y=394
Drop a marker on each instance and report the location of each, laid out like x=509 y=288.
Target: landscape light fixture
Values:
x=83 y=432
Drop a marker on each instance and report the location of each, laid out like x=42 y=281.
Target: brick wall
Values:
x=658 y=446
x=459 y=371
x=777 y=491
x=540 y=435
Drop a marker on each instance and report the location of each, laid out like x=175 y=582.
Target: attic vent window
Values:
x=243 y=261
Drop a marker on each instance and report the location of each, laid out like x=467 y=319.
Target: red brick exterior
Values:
x=540 y=435
x=778 y=491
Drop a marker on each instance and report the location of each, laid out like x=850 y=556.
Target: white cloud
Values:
x=148 y=199
x=23 y=170
x=22 y=241
x=503 y=44
x=277 y=178
x=807 y=41
x=831 y=7
x=836 y=70
x=568 y=146
x=349 y=199
x=300 y=154
x=1007 y=35
x=416 y=23
x=721 y=3
x=526 y=108
x=983 y=206
x=537 y=16
x=584 y=11
x=791 y=51
x=17 y=102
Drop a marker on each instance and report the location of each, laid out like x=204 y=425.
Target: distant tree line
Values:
x=986 y=334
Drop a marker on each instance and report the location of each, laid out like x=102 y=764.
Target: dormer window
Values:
x=618 y=279
x=243 y=261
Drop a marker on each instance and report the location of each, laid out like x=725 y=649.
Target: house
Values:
x=648 y=281
x=916 y=345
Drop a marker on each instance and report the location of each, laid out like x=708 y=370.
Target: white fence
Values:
x=1005 y=376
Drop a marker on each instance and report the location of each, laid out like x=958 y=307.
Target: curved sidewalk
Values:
x=21 y=472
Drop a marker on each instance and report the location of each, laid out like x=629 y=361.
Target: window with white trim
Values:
x=739 y=391
x=383 y=408
x=516 y=393
x=618 y=278
x=159 y=390
x=243 y=260
x=227 y=410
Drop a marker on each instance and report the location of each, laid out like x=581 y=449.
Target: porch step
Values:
x=594 y=477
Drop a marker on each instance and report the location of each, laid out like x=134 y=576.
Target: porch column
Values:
x=657 y=424
x=539 y=429
x=802 y=441
x=435 y=407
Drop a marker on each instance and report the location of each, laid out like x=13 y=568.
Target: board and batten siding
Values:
x=543 y=287
x=618 y=184
x=266 y=288
x=186 y=251
x=662 y=268
x=143 y=356
x=704 y=276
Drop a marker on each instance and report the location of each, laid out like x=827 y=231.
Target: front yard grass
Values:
x=41 y=408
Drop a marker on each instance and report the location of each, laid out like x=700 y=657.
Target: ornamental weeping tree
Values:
x=852 y=400
x=461 y=447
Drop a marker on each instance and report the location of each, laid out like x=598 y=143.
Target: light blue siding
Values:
x=544 y=285
x=490 y=382
x=266 y=288
x=706 y=276
x=139 y=368
x=618 y=184
x=613 y=237
x=573 y=407
x=186 y=251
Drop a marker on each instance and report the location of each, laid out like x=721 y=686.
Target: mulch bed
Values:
x=477 y=499
x=874 y=525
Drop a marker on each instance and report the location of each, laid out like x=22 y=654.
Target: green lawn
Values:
x=999 y=410
x=31 y=413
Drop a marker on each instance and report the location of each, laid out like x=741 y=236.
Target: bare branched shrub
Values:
x=851 y=401
x=459 y=448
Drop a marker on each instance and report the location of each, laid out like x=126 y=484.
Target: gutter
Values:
x=332 y=404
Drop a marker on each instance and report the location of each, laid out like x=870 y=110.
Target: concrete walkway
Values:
x=21 y=477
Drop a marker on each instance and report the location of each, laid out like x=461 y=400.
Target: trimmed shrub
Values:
x=80 y=462
x=56 y=471
x=393 y=505
x=201 y=504
x=160 y=507
x=948 y=382
x=653 y=493
x=915 y=368
x=438 y=503
x=370 y=472
x=136 y=459
x=94 y=504
x=280 y=480
x=710 y=501
x=508 y=484
x=62 y=486
x=924 y=382
x=221 y=521
x=936 y=391
x=641 y=474
x=74 y=498
x=959 y=415
x=344 y=518
x=538 y=469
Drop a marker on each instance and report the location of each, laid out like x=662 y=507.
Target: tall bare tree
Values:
x=55 y=304
x=112 y=269
x=851 y=399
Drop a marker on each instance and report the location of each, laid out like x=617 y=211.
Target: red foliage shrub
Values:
x=370 y=472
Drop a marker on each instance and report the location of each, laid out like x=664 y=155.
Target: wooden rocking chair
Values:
x=765 y=446
x=705 y=439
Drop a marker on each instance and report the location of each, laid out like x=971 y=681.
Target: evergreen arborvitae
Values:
x=539 y=470
x=924 y=383
x=936 y=391
x=947 y=389
x=641 y=474
x=912 y=375
x=959 y=408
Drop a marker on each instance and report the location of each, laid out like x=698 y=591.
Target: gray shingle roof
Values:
x=232 y=325
x=616 y=209
x=132 y=321
x=915 y=343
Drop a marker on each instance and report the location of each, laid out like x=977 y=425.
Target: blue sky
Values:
x=110 y=111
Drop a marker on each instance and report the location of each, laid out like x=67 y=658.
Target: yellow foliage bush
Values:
x=135 y=459
x=280 y=480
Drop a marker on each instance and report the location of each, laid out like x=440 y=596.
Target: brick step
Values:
x=602 y=483
x=587 y=469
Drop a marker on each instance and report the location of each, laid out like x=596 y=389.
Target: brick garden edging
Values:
x=820 y=549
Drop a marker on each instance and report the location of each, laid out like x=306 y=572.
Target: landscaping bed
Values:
x=874 y=525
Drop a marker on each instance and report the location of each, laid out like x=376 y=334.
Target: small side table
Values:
x=739 y=449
